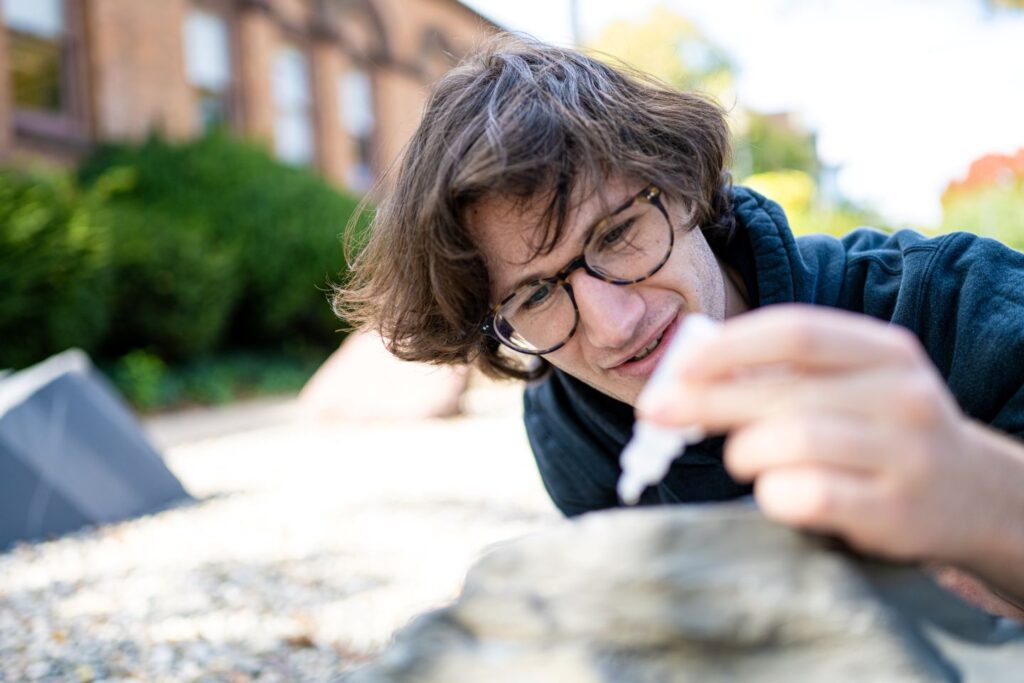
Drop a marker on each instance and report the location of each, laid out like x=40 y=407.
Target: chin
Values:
x=630 y=398
x=626 y=394
x=617 y=390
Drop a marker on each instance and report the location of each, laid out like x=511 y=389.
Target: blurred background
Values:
x=175 y=176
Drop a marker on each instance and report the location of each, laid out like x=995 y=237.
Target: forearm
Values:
x=996 y=551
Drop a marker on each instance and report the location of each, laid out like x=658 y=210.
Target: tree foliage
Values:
x=774 y=142
x=796 y=191
x=670 y=47
x=229 y=224
x=179 y=249
x=55 y=253
x=989 y=200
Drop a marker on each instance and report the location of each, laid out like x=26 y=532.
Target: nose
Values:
x=609 y=314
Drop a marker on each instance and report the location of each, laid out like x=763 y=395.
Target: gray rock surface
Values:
x=696 y=593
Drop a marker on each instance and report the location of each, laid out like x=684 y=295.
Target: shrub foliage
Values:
x=178 y=249
x=54 y=267
x=272 y=229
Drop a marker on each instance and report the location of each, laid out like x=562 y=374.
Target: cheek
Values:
x=698 y=274
x=693 y=261
x=566 y=358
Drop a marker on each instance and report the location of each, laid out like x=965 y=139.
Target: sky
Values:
x=903 y=94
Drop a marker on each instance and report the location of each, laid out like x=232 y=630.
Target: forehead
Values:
x=508 y=230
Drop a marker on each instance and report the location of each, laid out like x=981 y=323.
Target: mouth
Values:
x=647 y=350
x=644 y=360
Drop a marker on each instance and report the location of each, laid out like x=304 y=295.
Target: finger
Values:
x=818 y=438
x=818 y=498
x=803 y=337
x=881 y=394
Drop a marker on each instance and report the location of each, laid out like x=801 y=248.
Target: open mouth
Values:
x=648 y=350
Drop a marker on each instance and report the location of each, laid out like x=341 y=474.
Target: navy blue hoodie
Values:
x=962 y=295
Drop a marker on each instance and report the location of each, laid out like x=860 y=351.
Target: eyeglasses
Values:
x=628 y=246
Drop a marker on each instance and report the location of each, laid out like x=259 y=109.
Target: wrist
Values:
x=994 y=548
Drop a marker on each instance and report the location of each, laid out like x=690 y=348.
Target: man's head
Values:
x=521 y=150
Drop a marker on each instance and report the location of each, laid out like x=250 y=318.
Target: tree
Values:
x=797 y=193
x=771 y=152
x=1005 y=4
x=989 y=200
x=769 y=142
x=672 y=48
x=668 y=46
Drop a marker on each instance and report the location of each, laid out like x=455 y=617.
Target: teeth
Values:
x=648 y=350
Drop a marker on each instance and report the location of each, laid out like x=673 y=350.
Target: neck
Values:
x=736 y=296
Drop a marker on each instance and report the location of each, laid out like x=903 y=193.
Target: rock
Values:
x=361 y=380
x=73 y=455
x=696 y=593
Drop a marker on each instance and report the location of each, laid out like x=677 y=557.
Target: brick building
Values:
x=335 y=84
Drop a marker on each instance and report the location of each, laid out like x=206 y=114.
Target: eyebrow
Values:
x=583 y=243
x=538 y=276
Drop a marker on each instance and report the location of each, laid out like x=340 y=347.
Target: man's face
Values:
x=617 y=322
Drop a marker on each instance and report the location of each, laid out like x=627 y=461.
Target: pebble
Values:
x=300 y=559
x=37 y=670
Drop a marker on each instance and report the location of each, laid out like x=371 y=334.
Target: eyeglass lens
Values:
x=627 y=247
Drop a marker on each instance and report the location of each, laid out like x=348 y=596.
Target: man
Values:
x=554 y=219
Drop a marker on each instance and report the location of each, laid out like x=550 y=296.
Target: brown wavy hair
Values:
x=527 y=121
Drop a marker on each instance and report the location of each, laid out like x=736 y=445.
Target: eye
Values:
x=617 y=235
x=538 y=296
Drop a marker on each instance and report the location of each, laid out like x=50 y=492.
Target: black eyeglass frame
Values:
x=650 y=195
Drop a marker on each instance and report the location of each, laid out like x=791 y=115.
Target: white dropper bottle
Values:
x=651 y=450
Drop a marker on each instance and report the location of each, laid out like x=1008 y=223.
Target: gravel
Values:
x=310 y=544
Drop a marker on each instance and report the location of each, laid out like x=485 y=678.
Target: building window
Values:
x=357 y=118
x=208 y=67
x=44 y=67
x=293 y=107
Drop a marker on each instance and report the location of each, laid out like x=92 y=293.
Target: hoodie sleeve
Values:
x=971 y=317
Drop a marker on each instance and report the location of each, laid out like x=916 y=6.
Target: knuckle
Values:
x=802 y=336
x=741 y=451
x=732 y=456
x=918 y=401
x=736 y=464
x=906 y=345
x=815 y=504
x=820 y=503
x=918 y=465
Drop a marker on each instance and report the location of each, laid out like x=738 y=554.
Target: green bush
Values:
x=174 y=289
x=54 y=276
x=142 y=378
x=150 y=384
x=281 y=226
